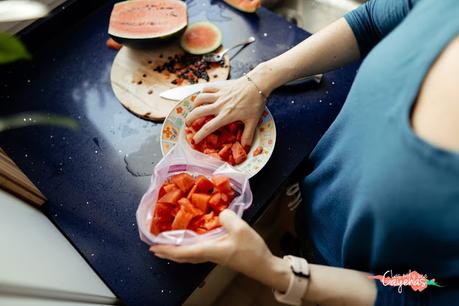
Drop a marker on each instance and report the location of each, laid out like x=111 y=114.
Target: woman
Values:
x=384 y=191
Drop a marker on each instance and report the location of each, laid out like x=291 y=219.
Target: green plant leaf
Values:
x=30 y=119
x=11 y=49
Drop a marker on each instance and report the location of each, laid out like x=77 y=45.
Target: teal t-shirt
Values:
x=379 y=198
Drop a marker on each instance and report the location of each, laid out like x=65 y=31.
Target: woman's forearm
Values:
x=338 y=286
x=327 y=285
x=330 y=48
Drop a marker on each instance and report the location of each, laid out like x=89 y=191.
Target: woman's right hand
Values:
x=231 y=101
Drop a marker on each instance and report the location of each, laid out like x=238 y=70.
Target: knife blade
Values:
x=180 y=93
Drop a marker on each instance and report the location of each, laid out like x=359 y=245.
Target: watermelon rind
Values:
x=147 y=39
x=246 y=9
x=203 y=50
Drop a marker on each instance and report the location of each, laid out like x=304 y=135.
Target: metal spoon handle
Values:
x=248 y=41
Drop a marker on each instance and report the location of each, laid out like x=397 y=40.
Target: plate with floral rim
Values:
x=173 y=129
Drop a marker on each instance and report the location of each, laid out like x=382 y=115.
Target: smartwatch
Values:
x=298 y=283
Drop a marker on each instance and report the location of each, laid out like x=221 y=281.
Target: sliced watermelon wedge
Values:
x=140 y=22
x=201 y=38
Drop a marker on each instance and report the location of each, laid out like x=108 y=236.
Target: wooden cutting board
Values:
x=13 y=180
x=137 y=86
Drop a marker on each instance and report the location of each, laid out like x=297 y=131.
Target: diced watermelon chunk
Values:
x=238 y=152
x=209 y=151
x=219 y=202
x=162 y=218
x=191 y=207
x=166 y=188
x=204 y=185
x=211 y=140
x=158 y=227
x=226 y=137
x=222 y=183
x=215 y=199
x=171 y=197
x=198 y=123
x=170 y=187
x=200 y=230
x=193 y=190
x=196 y=223
x=225 y=151
x=163 y=209
x=231 y=160
x=181 y=220
x=184 y=181
x=211 y=221
x=200 y=201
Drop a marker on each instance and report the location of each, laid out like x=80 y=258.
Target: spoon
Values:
x=216 y=57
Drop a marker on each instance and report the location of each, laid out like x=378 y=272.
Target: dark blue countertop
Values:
x=92 y=197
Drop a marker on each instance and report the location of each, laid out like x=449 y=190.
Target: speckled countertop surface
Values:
x=92 y=197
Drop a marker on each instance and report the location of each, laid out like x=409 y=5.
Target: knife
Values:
x=180 y=93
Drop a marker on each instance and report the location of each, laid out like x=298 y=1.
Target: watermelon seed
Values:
x=144 y=75
x=139 y=82
x=150 y=62
x=150 y=92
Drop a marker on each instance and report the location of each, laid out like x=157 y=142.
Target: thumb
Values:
x=249 y=131
x=230 y=221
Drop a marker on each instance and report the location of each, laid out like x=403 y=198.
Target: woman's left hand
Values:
x=241 y=249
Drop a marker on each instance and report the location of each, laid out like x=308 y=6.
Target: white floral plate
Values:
x=265 y=136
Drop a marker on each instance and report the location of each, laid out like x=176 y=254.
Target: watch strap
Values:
x=298 y=282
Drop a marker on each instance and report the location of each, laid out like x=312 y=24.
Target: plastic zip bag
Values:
x=184 y=159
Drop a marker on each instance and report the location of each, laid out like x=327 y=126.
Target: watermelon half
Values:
x=201 y=38
x=136 y=22
x=248 y=6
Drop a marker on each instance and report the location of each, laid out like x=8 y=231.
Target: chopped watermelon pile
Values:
x=224 y=143
x=185 y=202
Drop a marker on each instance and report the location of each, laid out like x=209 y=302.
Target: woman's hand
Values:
x=232 y=101
x=241 y=249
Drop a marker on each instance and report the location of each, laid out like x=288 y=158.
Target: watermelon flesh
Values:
x=147 y=20
x=248 y=6
x=201 y=38
x=223 y=144
x=197 y=209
